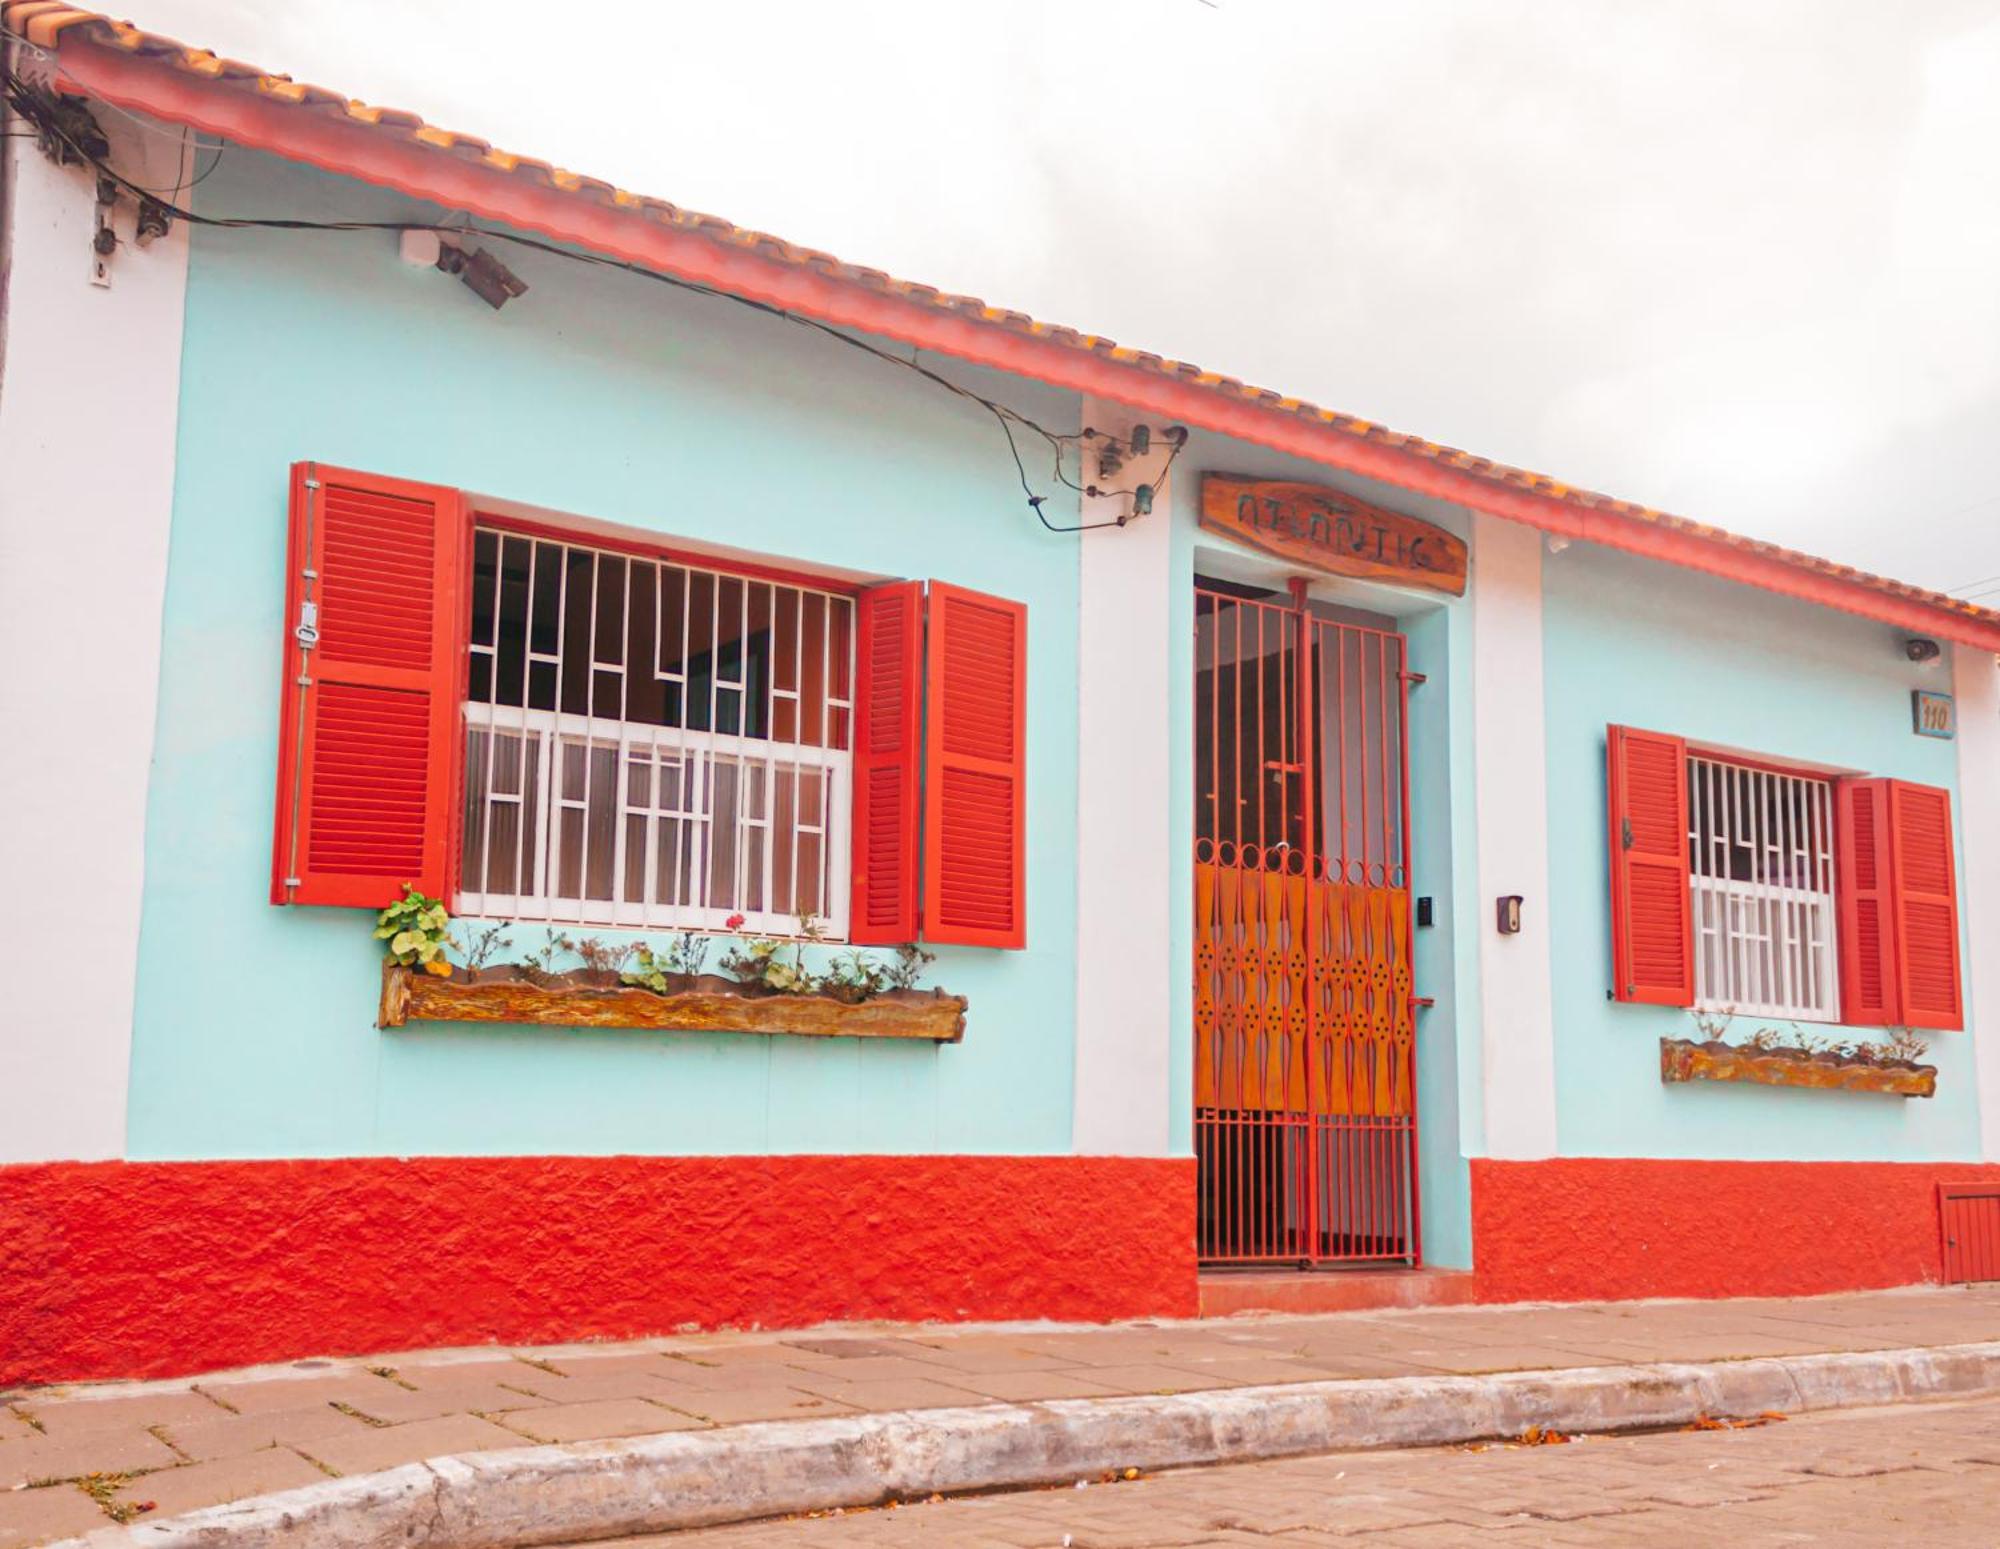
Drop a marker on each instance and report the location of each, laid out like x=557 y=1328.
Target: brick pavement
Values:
x=185 y=1444
x=1914 y=1474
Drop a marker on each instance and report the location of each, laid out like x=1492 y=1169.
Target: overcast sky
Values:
x=1739 y=259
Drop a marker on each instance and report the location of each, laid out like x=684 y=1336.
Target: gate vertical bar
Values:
x=1305 y=932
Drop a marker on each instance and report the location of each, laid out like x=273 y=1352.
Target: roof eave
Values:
x=462 y=179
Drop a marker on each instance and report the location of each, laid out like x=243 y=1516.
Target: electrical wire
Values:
x=1035 y=501
x=1972 y=586
x=30 y=108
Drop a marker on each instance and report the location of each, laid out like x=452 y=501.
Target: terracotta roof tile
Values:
x=47 y=24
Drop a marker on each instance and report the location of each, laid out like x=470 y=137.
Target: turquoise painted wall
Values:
x=1442 y=819
x=1646 y=645
x=609 y=396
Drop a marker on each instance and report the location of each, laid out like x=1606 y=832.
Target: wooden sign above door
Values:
x=1327 y=529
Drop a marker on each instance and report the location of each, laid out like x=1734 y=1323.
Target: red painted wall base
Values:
x=1589 y=1228
x=148 y=1269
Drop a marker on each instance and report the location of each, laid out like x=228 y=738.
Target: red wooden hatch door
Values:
x=1304 y=1085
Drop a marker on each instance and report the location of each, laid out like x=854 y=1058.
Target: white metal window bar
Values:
x=1760 y=845
x=652 y=744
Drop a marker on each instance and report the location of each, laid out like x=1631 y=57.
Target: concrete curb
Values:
x=542 y=1495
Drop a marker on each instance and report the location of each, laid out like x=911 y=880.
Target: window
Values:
x=1760 y=851
x=653 y=743
x=1775 y=893
x=542 y=728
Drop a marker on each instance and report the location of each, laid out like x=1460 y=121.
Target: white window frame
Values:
x=1766 y=945
x=762 y=761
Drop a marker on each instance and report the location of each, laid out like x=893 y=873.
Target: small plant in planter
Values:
x=760 y=963
x=539 y=967
x=853 y=977
x=600 y=960
x=908 y=968
x=483 y=945
x=1903 y=1043
x=673 y=969
x=417 y=929
x=687 y=954
x=648 y=972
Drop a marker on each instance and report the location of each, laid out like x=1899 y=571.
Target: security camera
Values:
x=1919 y=649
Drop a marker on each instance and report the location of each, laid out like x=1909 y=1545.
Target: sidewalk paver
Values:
x=374 y=1449
x=219 y=1436
x=171 y=1491
x=597 y=1421
x=37 y=1516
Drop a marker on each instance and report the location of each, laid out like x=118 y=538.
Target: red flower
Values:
x=734 y=922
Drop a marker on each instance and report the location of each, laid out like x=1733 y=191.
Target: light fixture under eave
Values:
x=484 y=275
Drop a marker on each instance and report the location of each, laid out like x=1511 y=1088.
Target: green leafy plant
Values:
x=650 y=972
x=417 y=929
x=853 y=977
x=761 y=960
x=657 y=971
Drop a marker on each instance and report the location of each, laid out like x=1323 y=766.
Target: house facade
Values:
x=1371 y=874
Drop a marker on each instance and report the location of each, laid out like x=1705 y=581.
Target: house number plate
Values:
x=1935 y=715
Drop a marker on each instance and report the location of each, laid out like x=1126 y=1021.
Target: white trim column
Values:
x=89 y=405
x=1125 y=968
x=1975 y=685
x=1511 y=803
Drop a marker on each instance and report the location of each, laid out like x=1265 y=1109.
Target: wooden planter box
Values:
x=710 y=1005
x=1682 y=1059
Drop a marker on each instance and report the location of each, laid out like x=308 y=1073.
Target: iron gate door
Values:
x=1304 y=1086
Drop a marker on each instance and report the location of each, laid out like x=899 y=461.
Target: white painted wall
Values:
x=1975 y=684
x=89 y=388
x=1517 y=1023
x=1125 y=967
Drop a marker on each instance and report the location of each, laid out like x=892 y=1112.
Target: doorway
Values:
x=1305 y=1025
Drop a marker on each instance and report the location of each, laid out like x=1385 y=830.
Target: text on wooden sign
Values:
x=1328 y=529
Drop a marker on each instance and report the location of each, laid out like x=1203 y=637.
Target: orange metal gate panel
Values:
x=1304 y=1080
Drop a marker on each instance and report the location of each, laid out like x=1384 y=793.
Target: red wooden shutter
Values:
x=887 y=739
x=1868 y=974
x=374 y=655
x=1652 y=929
x=975 y=787
x=1924 y=888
